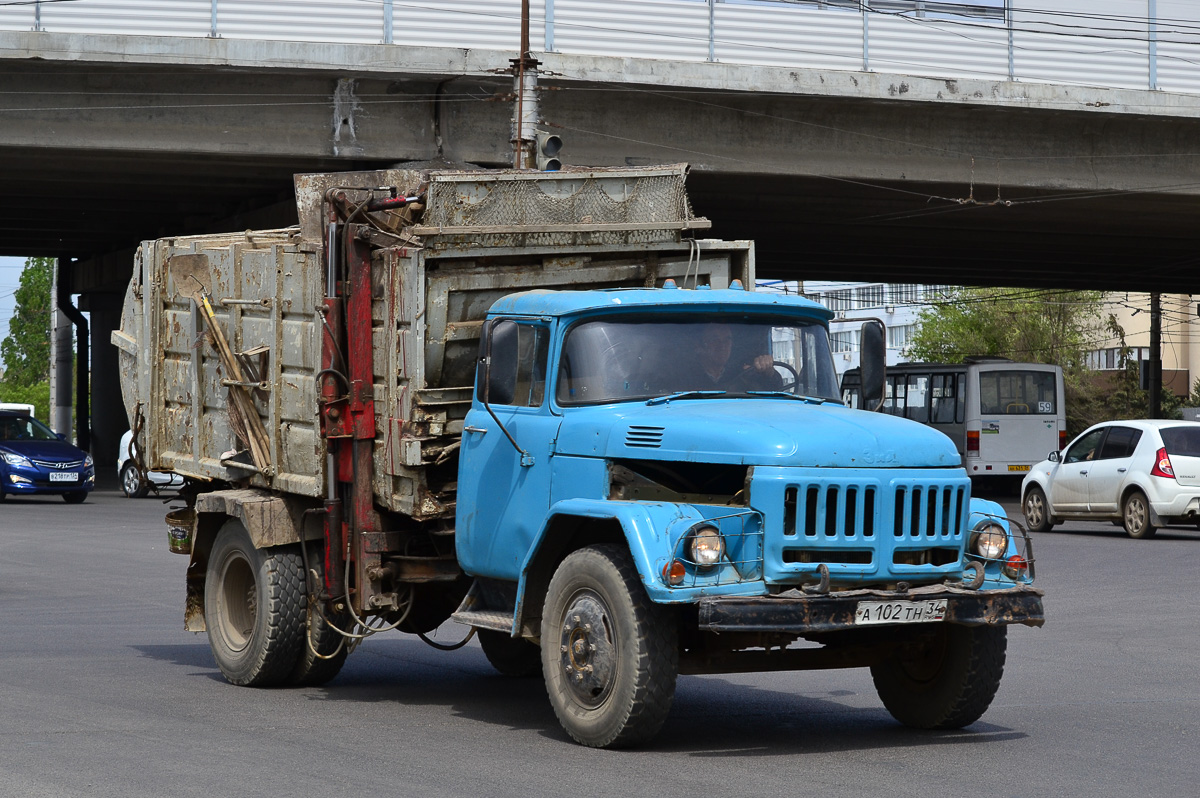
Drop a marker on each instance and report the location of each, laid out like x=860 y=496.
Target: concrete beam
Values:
x=439 y=63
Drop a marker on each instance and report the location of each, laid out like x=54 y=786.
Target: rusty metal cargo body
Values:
x=431 y=288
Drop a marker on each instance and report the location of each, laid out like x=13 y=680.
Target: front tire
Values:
x=132 y=484
x=1037 y=510
x=254 y=608
x=946 y=683
x=610 y=656
x=1135 y=513
x=75 y=497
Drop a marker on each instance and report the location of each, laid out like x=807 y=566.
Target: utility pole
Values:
x=1155 y=354
x=525 y=114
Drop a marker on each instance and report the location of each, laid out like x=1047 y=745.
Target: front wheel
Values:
x=1037 y=510
x=75 y=497
x=132 y=484
x=254 y=608
x=610 y=656
x=947 y=682
x=1136 y=514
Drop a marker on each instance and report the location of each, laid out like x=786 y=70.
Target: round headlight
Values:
x=990 y=541
x=707 y=546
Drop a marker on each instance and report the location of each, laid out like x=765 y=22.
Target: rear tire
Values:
x=132 y=484
x=254 y=608
x=321 y=638
x=1135 y=512
x=949 y=682
x=511 y=656
x=610 y=656
x=1037 y=510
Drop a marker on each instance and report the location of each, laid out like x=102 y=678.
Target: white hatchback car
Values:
x=1143 y=474
x=132 y=483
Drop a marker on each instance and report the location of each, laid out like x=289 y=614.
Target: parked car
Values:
x=133 y=484
x=1142 y=474
x=35 y=460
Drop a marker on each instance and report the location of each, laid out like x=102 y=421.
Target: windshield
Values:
x=618 y=360
x=1018 y=392
x=24 y=428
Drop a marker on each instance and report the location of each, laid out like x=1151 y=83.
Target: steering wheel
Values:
x=787 y=386
x=742 y=377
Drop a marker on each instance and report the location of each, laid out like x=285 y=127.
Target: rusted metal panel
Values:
x=270 y=519
x=797 y=613
x=426 y=304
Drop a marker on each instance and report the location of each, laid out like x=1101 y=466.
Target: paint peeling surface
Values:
x=430 y=291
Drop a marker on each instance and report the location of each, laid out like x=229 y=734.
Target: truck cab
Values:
x=692 y=447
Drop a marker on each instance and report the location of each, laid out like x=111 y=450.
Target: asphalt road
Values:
x=102 y=693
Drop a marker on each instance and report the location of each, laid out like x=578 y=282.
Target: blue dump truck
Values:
x=533 y=404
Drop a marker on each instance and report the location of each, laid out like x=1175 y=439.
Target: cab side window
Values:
x=519 y=353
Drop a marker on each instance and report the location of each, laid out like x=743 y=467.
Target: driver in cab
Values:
x=718 y=371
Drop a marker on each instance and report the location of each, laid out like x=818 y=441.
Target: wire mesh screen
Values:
x=637 y=198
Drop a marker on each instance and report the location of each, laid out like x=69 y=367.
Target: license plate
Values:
x=63 y=476
x=1018 y=468
x=876 y=612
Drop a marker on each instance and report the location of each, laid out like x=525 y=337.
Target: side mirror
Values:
x=62 y=436
x=1052 y=457
x=873 y=363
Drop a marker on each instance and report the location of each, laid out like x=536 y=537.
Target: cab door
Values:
x=1109 y=470
x=1069 y=489
x=504 y=464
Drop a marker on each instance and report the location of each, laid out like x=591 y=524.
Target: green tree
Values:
x=26 y=350
x=1038 y=326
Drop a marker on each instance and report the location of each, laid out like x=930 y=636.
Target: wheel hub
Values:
x=588 y=650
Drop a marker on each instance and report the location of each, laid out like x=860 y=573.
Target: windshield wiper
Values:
x=659 y=400
x=812 y=400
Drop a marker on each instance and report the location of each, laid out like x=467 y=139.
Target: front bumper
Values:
x=795 y=612
x=17 y=482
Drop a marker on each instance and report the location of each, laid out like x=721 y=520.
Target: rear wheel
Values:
x=254 y=608
x=609 y=655
x=1037 y=510
x=1135 y=512
x=324 y=651
x=947 y=682
x=511 y=656
x=132 y=484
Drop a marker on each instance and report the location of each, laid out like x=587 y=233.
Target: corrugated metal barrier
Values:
x=1140 y=44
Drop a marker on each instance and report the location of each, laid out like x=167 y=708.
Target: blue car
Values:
x=34 y=460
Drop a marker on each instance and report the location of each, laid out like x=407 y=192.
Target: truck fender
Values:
x=644 y=527
x=270 y=519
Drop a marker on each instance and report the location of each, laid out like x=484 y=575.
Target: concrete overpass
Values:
x=945 y=150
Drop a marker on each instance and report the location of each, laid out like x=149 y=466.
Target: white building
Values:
x=897 y=305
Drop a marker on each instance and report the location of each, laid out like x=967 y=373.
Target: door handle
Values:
x=1120 y=470
x=1083 y=473
x=480 y=430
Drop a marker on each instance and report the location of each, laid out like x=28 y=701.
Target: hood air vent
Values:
x=644 y=437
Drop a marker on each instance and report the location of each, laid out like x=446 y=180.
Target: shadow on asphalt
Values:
x=711 y=716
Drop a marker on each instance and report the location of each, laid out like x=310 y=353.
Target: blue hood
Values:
x=57 y=451
x=775 y=432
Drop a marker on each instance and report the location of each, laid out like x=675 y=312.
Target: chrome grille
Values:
x=58 y=464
